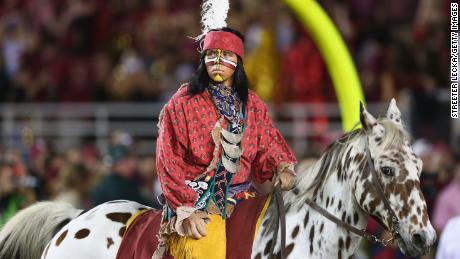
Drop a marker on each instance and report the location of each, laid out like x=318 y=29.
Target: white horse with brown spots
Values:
x=341 y=183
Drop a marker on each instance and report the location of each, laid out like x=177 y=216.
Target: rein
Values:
x=282 y=221
x=393 y=223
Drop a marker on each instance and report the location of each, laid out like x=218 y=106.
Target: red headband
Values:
x=225 y=41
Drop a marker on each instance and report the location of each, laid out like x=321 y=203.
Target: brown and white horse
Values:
x=340 y=183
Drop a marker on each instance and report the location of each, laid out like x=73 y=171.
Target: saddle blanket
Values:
x=140 y=239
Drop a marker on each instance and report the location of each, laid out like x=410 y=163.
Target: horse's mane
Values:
x=314 y=177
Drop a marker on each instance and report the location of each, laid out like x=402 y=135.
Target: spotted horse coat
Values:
x=96 y=233
x=340 y=182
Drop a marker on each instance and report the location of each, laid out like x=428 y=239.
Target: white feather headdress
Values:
x=213 y=16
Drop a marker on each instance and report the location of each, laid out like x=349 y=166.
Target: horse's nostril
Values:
x=418 y=240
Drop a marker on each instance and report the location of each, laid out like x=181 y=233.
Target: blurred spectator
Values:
x=131 y=79
x=429 y=175
x=102 y=68
x=448 y=205
x=304 y=79
x=121 y=182
x=449 y=240
x=74 y=185
x=149 y=179
x=10 y=199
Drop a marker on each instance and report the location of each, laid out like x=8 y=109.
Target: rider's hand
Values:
x=285 y=180
x=195 y=225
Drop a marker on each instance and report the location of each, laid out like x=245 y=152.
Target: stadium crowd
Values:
x=137 y=51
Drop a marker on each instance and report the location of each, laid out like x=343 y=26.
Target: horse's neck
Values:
x=339 y=183
x=336 y=196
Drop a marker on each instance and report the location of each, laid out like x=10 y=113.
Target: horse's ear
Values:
x=373 y=129
x=393 y=112
x=367 y=120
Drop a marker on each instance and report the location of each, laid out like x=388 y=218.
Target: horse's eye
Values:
x=388 y=171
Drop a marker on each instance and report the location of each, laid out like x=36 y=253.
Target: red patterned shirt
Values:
x=185 y=147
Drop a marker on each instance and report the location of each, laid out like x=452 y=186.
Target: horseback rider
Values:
x=215 y=137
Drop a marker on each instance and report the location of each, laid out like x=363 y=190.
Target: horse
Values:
x=371 y=171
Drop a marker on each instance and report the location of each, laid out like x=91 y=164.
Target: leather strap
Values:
x=334 y=219
x=393 y=223
x=281 y=222
x=340 y=223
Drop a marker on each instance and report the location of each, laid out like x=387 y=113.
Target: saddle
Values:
x=140 y=239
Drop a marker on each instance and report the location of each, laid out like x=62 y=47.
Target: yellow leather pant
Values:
x=213 y=245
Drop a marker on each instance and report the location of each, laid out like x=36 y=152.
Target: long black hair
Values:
x=200 y=79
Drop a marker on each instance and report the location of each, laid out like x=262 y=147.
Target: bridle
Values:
x=393 y=222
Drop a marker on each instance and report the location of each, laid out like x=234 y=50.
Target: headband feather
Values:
x=213 y=16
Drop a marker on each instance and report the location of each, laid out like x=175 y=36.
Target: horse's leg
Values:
x=94 y=234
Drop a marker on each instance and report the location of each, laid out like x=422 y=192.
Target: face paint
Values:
x=214 y=60
x=219 y=52
x=218 y=79
x=209 y=61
